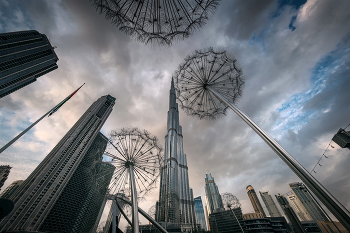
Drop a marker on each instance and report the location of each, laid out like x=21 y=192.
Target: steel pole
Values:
x=24 y=131
x=149 y=218
x=134 y=207
x=123 y=213
x=114 y=217
x=336 y=208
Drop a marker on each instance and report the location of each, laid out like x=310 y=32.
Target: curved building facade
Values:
x=254 y=200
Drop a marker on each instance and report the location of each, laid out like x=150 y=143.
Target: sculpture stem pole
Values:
x=334 y=206
x=135 y=216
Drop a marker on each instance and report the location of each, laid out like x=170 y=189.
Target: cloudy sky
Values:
x=295 y=56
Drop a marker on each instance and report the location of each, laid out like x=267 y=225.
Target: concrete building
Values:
x=302 y=193
x=270 y=204
x=254 y=200
x=11 y=189
x=4 y=173
x=24 y=56
x=225 y=221
x=37 y=195
x=200 y=216
x=176 y=204
x=290 y=214
x=213 y=197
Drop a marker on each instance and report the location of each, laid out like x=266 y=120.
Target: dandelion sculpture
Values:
x=230 y=202
x=208 y=82
x=137 y=157
x=159 y=21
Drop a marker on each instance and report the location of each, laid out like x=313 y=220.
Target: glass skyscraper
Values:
x=61 y=171
x=308 y=202
x=24 y=56
x=11 y=189
x=175 y=203
x=270 y=204
x=198 y=206
x=4 y=173
x=213 y=197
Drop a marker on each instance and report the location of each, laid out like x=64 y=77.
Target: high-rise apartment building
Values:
x=212 y=195
x=289 y=212
x=37 y=195
x=11 y=189
x=254 y=200
x=308 y=202
x=270 y=204
x=77 y=207
x=299 y=208
x=200 y=217
x=176 y=203
x=4 y=173
x=24 y=56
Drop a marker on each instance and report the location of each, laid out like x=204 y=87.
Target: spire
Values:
x=172 y=98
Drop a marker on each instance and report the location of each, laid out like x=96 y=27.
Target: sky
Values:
x=295 y=56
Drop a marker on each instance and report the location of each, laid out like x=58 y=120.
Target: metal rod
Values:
x=24 y=131
x=134 y=207
x=149 y=218
x=334 y=206
x=123 y=213
x=114 y=217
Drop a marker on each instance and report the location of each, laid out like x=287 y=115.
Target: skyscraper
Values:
x=4 y=173
x=176 y=203
x=36 y=197
x=299 y=208
x=307 y=201
x=78 y=205
x=198 y=205
x=213 y=197
x=24 y=56
x=289 y=212
x=270 y=204
x=254 y=200
x=11 y=189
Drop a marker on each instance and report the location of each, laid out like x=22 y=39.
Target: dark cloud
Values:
x=279 y=66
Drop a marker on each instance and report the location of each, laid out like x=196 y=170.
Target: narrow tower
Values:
x=37 y=195
x=255 y=201
x=213 y=197
x=176 y=204
x=24 y=56
x=270 y=204
x=4 y=173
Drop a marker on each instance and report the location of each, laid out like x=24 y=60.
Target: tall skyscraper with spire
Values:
x=176 y=204
x=212 y=195
x=36 y=197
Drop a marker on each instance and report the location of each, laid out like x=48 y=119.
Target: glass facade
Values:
x=213 y=197
x=175 y=203
x=306 y=200
x=24 y=56
x=198 y=206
